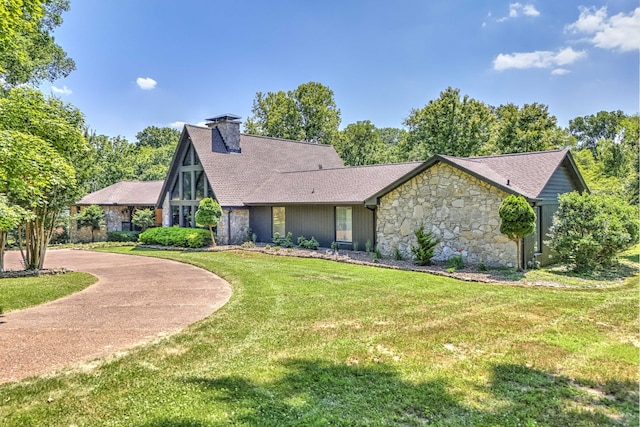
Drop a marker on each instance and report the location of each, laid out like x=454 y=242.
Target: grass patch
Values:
x=25 y=292
x=314 y=342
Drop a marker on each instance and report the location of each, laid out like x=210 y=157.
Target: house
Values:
x=119 y=202
x=267 y=185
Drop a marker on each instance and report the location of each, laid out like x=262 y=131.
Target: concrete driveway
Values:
x=136 y=300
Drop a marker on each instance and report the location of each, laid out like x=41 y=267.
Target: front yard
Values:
x=314 y=342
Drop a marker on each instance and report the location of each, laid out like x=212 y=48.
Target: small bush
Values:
x=122 y=236
x=455 y=262
x=397 y=255
x=248 y=245
x=377 y=255
x=355 y=246
x=267 y=246
x=423 y=251
x=285 y=242
x=367 y=246
x=308 y=244
x=176 y=236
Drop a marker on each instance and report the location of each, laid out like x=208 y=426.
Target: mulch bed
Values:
x=12 y=274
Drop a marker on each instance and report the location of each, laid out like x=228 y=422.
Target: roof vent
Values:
x=229 y=127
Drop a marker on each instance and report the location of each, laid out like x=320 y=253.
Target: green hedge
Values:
x=122 y=236
x=176 y=236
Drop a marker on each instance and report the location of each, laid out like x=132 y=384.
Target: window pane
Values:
x=199 y=185
x=186 y=214
x=175 y=192
x=344 y=226
x=196 y=159
x=186 y=186
x=187 y=157
x=175 y=215
x=278 y=215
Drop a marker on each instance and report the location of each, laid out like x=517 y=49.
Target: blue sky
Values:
x=162 y=62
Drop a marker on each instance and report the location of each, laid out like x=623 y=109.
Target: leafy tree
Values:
x=526 y=129
x=93 y=217
x=10 y=218
x=589 y=230
x=306 y=113
x=360 y=144
x=114 y=160
x=595 y=177
x=591 y=130
x=518 y=221
x=28 y=52
x=144 y=218
x=152 y=163
x=208 y=214
x=157 y=137
x=426 y=245
x=451 y=124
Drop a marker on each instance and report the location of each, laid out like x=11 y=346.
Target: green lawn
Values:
x=27 y=291
x=314 y=342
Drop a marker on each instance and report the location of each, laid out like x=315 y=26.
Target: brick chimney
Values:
x=229 y=127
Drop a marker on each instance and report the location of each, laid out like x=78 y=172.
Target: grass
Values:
x=314 y=342
x=23 y=292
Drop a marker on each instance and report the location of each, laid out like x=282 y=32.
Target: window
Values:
x=344 y=224
x=175 y=192
x=278 y=218
x=186 y=186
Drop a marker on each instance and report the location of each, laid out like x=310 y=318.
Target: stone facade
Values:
x=460 y=210
x=239 y=219
x=114 y=217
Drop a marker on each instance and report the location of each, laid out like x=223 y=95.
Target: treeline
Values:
x=604 y=144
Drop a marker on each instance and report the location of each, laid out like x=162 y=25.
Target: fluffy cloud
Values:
x=62 y=91
x=537 y=59
x=617 y=32
x=177 y=125
x=560 y=72
x=146 y=83
x=519 y=9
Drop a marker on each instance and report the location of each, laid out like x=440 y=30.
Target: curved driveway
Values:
x=136 y=300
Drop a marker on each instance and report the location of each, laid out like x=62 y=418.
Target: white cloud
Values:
x=177 y=125
x=518 y=9
x=620 y=31
x=62 y=91
x=560 y=71
x=146 y=83
x=537 y=59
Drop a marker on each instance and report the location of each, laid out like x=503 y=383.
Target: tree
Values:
x=208 y=214
x=591 y=130
x=518 y=221
x=144 y=218
x=526 y=129
x=157 y=137
x=10 y=218
x=452 y=125
x=28 y=52
x=93 y=217
x=114 y=160
x=360 y=144
x=589 y=230
x=306 y=113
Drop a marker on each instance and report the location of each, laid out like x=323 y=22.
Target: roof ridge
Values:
x=509 y=154
x=355 y=167
x=285 y=140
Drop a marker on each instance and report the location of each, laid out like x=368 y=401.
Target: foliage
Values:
x=28 y=52
x=368 y=246
x=308 y=244
x=360 y=144
x=451 y=124
x=455 y=262
x=377 y=255
x=93 y=217
x=591 y=130
x=158 y=137
x=248 y=244
x=307 y=113
x=285 y=242
x=144 y=218
x=176 y=236
x=335 y=246
x=425 y=247
x=10 y=217
x=517 y=220
x=397 y=255
x=589 y=230
x=208 y=214
x=122 y=236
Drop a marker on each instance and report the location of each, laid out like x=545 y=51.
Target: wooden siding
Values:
x=560 y=182
x=313 y=221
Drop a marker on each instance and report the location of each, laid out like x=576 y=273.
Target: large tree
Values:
x=157 y=137
x=307 y=113
x=114 y=159
x=452 y=124
x=360 y=144
x=28 y=51
x=592 y=129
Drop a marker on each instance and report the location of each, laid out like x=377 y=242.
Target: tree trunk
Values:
x=519 y=252
x=213 y=239
x=3 y=242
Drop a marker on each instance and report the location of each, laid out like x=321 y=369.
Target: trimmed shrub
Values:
x=423 y=251
x=176 y=236
x=588 y=230
x=122 y=236
x=285 y=242
x=308 y=244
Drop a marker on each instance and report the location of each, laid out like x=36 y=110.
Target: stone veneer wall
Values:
x=458 y=208
x=114 y=217
x=239 y=226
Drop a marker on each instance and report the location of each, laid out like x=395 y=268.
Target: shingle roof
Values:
x=347 y=185
x=130 y=193
x=523 y=173
x=234 y=176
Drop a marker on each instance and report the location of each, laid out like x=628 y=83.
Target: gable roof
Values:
x=130 y=193
x=347 y=185
x=234 y=176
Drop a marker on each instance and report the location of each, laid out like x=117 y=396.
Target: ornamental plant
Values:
x=144 y=218
x=426 y=245
x=93 y=217
x=208 y=214
x=518 y=221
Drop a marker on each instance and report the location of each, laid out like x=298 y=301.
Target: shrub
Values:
x=397 y=255
x=144 y=218
x=588 y=230
x=377 y=255
x=248 y=245
x=93 y=217
x=455 y=262
x=367 y=246
x=355 y=246
x=285 y=242
x=308 y=244
x=423 y=251
x=122 y=236
x=176 y=236
x=208 y=214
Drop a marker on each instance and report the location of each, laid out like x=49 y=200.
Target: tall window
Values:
x=344 y=224
x=278 y=218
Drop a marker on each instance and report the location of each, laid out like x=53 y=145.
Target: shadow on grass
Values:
x=622 y=270
x=319 y=393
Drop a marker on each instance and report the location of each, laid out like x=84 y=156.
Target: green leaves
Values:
x=208 y=214
x=518 y=217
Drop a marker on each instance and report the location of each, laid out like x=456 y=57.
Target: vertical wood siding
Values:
x=260 y=222
x=559 y=183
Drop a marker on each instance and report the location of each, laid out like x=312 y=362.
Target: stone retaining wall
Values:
x=458 y=208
